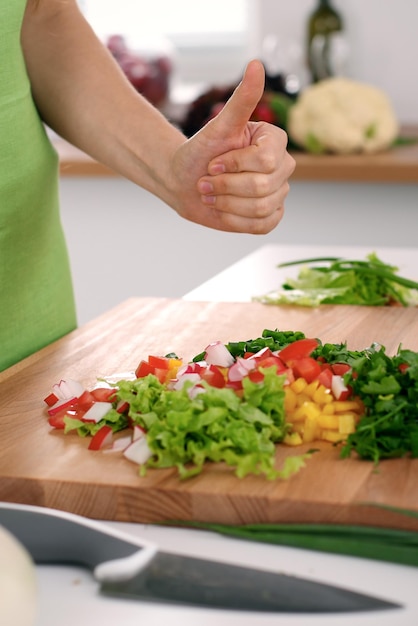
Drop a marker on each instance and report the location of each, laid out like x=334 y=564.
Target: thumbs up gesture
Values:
x=234 y=173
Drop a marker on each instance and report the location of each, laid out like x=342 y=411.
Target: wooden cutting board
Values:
x=47 y=468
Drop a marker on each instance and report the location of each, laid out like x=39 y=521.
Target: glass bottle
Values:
x=325 y=42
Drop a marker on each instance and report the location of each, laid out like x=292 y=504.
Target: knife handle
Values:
x=52 y=536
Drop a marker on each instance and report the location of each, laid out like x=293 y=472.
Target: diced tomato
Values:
x=236 y=385
x=102 y=438
x=143 y=369
x=256 y=376
x=403 y=367
x=159 y=362
x=264 y=353
x=324 y=365
x=298 y=349
x=161 y=374
x=57 y=420
x=86 y=400
x=306 y=367
x=213 y=376
x=340 y=369
x=103 y=394
x=325 y=377
x=271 y=361
x=51 y=399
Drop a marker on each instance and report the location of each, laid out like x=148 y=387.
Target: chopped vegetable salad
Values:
x=233 y=403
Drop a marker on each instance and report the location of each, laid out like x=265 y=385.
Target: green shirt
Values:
x=36 y=296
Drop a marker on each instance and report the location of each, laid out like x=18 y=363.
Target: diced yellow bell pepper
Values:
x=311 y=388
x=328 y=409
x=308 y=410
x=292 y=439
x=328 y=422
x=298 y=385
x=311 y=430
x=332 y=436
x=346 y=423
x=290 y=400
x=322 y=395
x=342 y=406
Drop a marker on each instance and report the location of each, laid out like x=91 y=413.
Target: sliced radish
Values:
x=339 y=389
x=138 y=432
x=122 y=406
x=218 y=354
x=192 y=368
x=179 y=383
x=67 y=388
x=138 y=451
x=97 y=412
x=62 y=404
x=240 y=368
x=102 y=438
x=195 y=391
x=120 y=444
x=261 y=354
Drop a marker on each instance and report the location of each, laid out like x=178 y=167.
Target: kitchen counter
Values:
x=399 y=165
x=69 y=595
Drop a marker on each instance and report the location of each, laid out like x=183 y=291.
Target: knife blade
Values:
x=128 y=567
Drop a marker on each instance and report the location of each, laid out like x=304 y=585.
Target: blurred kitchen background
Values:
x=123 y=242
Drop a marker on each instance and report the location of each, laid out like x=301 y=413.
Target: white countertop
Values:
x=69 y=596
x=257 y=273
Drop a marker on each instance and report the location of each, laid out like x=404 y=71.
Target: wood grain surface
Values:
x=47 y=468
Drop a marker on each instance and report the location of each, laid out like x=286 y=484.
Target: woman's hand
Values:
x=233 y=174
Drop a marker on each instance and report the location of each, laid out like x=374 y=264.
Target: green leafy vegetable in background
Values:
x=332 y=280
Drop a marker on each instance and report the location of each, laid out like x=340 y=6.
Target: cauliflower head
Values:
x=342 y=116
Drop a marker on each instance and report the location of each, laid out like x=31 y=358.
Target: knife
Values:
x=128 y=567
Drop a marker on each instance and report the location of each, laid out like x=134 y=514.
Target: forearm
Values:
x=232 y=175
x=82 y=95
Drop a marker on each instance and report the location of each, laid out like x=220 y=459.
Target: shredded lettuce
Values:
x=114 y=419
x=215 y=425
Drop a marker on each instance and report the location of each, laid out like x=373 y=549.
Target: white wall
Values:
x=382 y=36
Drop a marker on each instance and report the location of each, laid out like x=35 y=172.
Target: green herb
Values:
x=388 y=387
x=404 y=141
x=273 y=339
x=216 y=425
x=332 y=280
x=382 y=544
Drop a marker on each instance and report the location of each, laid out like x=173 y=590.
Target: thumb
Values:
x=240 y=106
